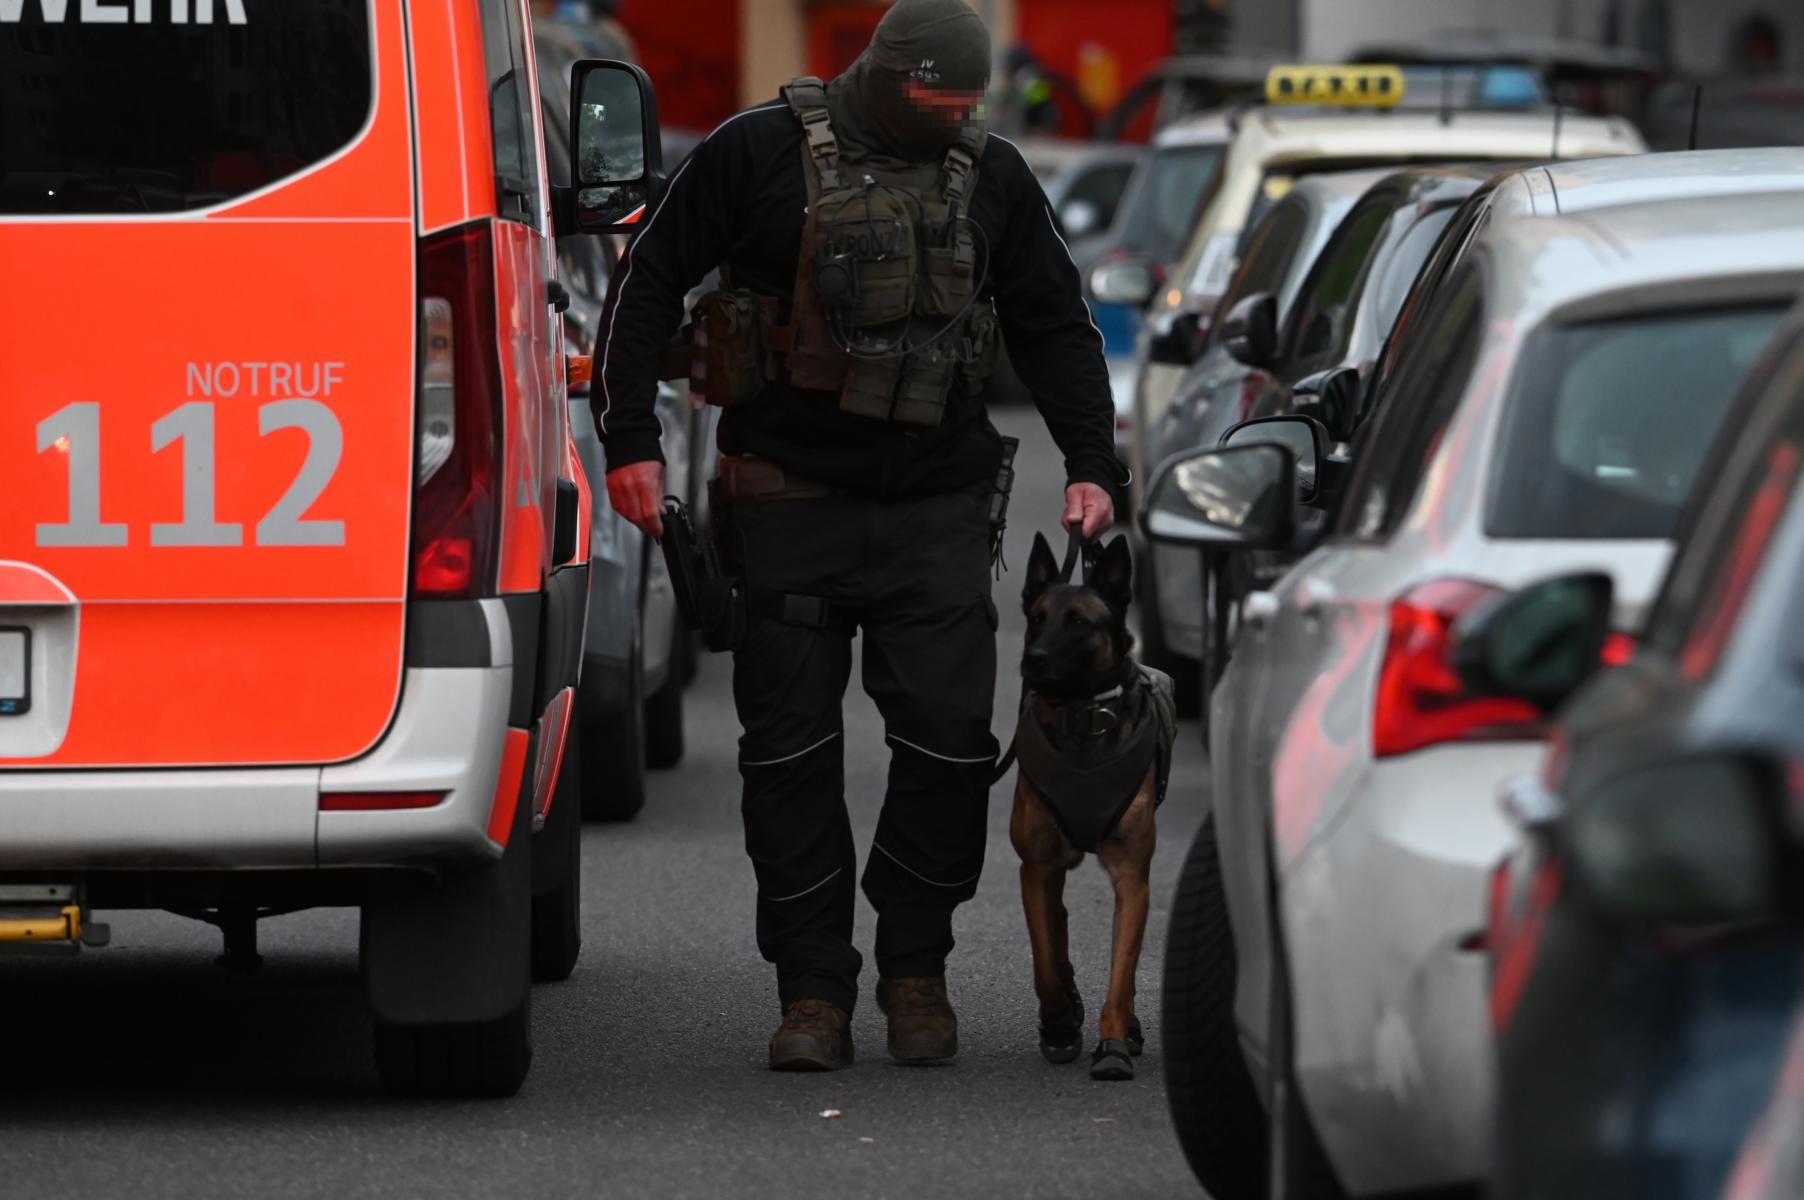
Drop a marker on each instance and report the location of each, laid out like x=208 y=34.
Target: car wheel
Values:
x=472 y=1059
x=1156 y=654
x=447 y=966
x=557 y=934
x=1220 y=1122
x=613 y=786
x=664 y=708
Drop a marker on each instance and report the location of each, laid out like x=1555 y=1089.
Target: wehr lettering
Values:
x=121 y=12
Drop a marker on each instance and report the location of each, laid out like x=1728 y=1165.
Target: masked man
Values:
x=874 y=246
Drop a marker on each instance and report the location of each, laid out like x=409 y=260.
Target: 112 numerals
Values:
x=75 y=430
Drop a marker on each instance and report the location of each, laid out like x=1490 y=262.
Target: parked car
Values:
x=1645 y=929
x=1561 y=394
x=636 y=648
x=1272 y=146
x=1217 y=387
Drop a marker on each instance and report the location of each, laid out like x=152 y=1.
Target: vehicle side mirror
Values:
x=1126 y=280
x=616 y=149
x=1250 y=330
x=1334 y=397
x=1080 y=217
x=1179 y=344
x=1302 y=437
x=1232 y=498
x=1540 y=644
x=1690 y=840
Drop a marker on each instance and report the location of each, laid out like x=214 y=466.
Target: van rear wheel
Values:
x=473 y=1059
x=557 y=862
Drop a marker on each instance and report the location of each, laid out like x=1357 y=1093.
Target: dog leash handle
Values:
x=1077 y=550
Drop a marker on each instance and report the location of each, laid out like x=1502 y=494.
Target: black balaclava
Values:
x=944 y=43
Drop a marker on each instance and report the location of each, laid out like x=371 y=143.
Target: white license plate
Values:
x=15 y=671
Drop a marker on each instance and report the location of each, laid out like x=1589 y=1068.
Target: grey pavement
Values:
x=142 y=1070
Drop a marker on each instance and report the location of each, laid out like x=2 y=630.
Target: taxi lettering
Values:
x=120 y=12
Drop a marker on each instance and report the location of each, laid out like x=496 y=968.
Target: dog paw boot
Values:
x=1062 y=1035
x=1112 y=1061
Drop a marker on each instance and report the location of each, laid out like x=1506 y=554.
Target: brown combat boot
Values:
x=923 y=1029
x=814 y=1036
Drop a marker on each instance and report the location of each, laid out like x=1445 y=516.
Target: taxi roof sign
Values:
x=1363 y=86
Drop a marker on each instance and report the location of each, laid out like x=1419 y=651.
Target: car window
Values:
x=1321 y=320
x=1404 y=264
x=1273 y=188
x=1266 y=257
x=517 y=184
x=1167 y=199
x=1393 y=450
x=1468 y=221
x=1609 y=421
x=159 y=116
x=1101 y=186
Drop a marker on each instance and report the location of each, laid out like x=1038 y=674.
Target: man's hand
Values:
x=1085 y=504
x=637 y=493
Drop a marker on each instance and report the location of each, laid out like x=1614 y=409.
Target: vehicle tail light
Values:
x=1421 y=699
x=1619 y=648
x=458 y=470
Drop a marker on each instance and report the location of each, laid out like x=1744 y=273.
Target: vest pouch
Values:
x=948 y=278
x=926 y=381
x=731 y=361
x=870 y=388
x=869 y=231
x=979 y=348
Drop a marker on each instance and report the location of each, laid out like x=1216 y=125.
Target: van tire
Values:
x=557 y=865
x=664 y=708
x=448 y=967
x=476 y=1059
x=1219 y=1118
x=613 y=788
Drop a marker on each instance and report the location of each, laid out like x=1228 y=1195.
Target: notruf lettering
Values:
x=274 y=380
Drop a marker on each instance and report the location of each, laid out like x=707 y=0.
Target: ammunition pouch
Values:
x=864 y=255
x=731 y=360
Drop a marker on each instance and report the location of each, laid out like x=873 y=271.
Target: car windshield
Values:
x=1165 y=203
x=161 y=116
x=1611 y=421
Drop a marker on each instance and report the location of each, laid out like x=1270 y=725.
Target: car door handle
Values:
x=1315 y=595
x=1529 y=804
x=1258 y=608
x=557 y=295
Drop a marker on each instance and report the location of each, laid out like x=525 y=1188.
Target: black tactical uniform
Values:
x=885 y=519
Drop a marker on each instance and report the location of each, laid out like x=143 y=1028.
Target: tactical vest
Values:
x=886 y=312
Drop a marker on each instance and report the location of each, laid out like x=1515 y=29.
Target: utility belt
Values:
x=736 y=349
x=712 y=595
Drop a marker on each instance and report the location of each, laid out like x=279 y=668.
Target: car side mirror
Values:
x=1080 y=217
x=1128 y=280
x=616 y=149
x=1693 y=839
x=1334 y=397
x=1179 y=344
x=1250 y=330
x=1303 y=438
x=1540 y=644
x=1231 y=498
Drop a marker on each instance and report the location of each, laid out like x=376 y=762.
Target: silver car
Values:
x=1549 y=415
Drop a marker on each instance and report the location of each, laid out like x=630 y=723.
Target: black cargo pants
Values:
x=915 y=573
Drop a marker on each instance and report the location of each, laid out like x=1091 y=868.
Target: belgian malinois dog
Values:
x=1094 y=746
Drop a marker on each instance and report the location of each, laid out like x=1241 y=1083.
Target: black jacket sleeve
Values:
x=1053 y=345
x=687 y=235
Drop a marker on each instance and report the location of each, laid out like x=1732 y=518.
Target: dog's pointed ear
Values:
x=1114 y=574
x=1042 y=572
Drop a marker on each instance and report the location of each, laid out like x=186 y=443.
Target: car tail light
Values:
x=1421 y=699
x=458 y=469
x=1619 y=648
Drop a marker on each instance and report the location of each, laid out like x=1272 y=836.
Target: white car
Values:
x=1549 y=414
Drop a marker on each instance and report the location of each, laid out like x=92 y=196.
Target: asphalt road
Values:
x=142 y=1070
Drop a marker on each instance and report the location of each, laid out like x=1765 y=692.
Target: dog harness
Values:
x=1087 y=779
